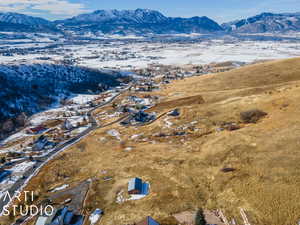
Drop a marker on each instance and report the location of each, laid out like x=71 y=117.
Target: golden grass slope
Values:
x=184 y=171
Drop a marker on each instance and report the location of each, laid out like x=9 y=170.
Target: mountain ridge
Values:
x=15 y=21
x=265 y=22
x=139 y=21
x=147 y=21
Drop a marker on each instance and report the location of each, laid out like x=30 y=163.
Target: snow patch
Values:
x=95 y=216
x=114 y=133
x=60 y=188
x=83 y=99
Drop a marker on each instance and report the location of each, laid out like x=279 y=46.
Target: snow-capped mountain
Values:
x=23 y=19
x=20 y=22
x=121 y=16
x=145 y=21
x=265 y=22
x=139 y=21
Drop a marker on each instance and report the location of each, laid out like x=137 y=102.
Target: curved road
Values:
x=42 y=160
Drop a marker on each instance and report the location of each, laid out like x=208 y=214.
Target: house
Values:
x=68 y=125
x=143 y=117
x=66 y=217
x=135 y=186
x=40 y=143
x=148 y=221
x=36 y=130
x=62 y=216
x=174 y=113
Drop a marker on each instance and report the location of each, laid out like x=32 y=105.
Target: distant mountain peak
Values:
x=138 y=21
x=10 y=21
x=266 y=22
x=137 y=16
x=18 y=18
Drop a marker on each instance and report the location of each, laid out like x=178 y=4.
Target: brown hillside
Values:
x=219 y=163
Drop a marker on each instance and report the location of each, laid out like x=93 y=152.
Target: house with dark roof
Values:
x=36 y=130
x=45 y=220
x=63 y=216
x=148 y=221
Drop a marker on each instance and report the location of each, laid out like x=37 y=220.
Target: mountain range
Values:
x=265 y=22
x=139 y=21
x=23 y=23
x=145 y=21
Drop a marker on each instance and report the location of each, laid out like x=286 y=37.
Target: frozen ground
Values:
x=15 y=173
x=82 y=99
x=201 y=53
x=132 y=53
x=95 y=216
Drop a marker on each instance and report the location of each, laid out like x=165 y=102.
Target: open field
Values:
x=182 y=157
x=136 y=53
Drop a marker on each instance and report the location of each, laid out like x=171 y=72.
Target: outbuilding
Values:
x=135 y=186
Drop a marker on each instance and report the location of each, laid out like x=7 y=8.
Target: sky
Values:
x=219 y=10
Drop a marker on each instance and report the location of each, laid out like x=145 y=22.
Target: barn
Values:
x=135 y=186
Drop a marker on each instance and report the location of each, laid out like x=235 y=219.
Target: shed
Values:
x=175 y=112
x=148 y=221
x=135 y=186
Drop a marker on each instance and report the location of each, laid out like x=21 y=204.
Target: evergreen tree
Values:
x=200 y=218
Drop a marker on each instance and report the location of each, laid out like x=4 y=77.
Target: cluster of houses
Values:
x=136 y=107
x=75 y=122
x=160 y=70
x=171 y=72
x=43 y=143
x=139 y=118
x=111 y=55
x=66 y=216
x=144 y=86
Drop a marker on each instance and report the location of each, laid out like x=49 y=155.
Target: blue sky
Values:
x=219 y=10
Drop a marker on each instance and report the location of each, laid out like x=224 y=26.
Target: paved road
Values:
x=42 y=160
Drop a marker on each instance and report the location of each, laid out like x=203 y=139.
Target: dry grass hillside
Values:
x=185 y=170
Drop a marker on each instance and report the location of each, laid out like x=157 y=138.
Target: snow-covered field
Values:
x=82 y=99
x=200 y=53
x=15 y=173
x=124 y=54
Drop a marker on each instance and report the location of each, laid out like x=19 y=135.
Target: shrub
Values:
x=252 y=116
x=200 y=218
x=227 y=170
